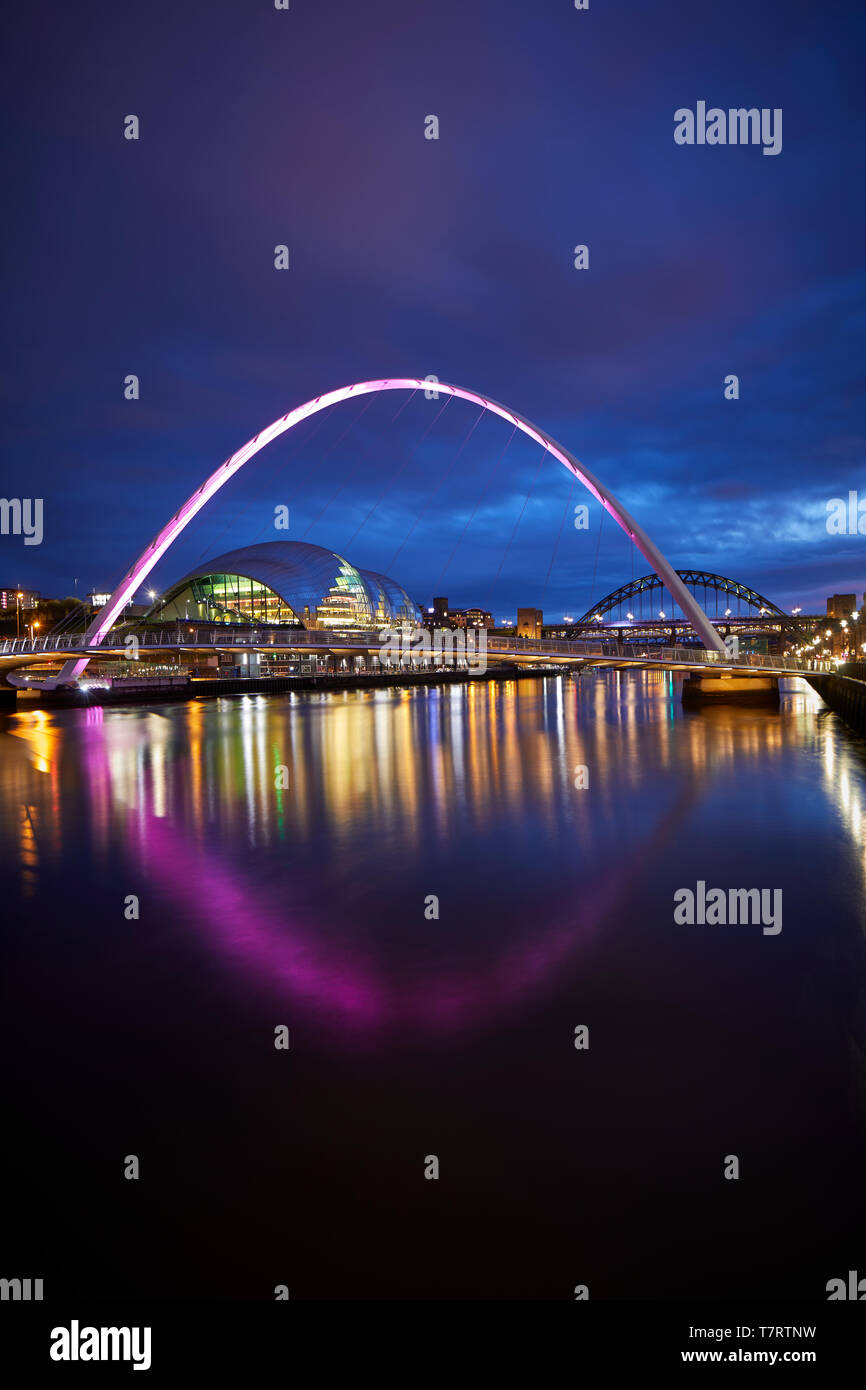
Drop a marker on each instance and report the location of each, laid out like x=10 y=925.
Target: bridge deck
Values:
x=18 y=652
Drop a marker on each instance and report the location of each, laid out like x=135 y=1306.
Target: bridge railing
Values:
x=219 y=637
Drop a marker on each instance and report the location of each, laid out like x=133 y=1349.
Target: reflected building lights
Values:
x=417 y=767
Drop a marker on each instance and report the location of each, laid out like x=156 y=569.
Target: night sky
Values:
x=452 y=257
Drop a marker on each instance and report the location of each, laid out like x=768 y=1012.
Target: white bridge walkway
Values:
x=207 y=640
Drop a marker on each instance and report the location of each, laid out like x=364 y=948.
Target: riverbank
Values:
x=845 y=695
x=195 y=689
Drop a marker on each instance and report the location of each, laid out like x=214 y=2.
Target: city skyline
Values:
x=452 y=257
x=433 y=673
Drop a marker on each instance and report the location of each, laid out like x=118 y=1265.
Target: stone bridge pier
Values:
x=729 y=688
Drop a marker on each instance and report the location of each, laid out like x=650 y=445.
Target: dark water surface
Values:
x=410 y=1037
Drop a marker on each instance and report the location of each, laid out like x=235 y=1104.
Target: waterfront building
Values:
x=15 y=597
x=288 y=583
x=530 y=622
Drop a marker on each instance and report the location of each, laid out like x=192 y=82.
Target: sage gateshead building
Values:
x=290 y=583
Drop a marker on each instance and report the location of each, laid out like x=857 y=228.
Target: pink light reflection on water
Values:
x=250 y=929
x=269 y=941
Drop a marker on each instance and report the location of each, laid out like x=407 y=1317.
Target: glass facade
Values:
x=227 y=598
x=287 y=583
x=392 y=602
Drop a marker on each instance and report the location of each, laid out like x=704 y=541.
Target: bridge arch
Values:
x=172 y=529
x=649 y=582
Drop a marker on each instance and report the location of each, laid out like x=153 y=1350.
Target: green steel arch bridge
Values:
x=651 y=587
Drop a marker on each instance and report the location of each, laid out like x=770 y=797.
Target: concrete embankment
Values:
x=845 y=695
x=730 y=689
x=151 y=693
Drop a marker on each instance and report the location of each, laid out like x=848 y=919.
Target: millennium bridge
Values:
x=366 y=648
x=716 y=667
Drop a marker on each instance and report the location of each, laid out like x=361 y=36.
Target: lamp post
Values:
x=19 y=597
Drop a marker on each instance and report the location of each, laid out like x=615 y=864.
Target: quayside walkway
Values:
x=17 y=653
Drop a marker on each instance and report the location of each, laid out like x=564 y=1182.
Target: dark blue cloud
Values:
x=451 y=257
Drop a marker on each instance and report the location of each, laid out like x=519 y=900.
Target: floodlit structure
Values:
x=150 y=557
x=289 y=583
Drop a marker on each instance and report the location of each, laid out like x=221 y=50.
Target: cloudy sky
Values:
x=451 y=257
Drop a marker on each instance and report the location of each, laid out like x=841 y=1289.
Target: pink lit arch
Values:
x=172 y=529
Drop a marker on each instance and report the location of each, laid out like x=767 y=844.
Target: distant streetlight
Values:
x=661 y=613
x=630 y=617
x=796 y=610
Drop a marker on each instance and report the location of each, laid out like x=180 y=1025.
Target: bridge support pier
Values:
x=8 y=694
x=730 y=689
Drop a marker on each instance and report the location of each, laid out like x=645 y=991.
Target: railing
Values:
x=147 y=682
x=219 y=637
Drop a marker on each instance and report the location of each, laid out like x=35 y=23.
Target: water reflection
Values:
x=315 y=890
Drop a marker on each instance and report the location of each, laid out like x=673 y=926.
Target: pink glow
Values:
x=266 y=938
x=172 y=529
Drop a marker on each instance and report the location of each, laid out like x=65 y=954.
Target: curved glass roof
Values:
x=397 y=604
x=287 y=582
